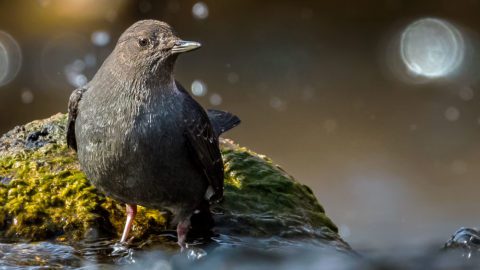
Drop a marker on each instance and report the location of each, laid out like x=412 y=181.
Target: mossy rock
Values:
x=44 y=195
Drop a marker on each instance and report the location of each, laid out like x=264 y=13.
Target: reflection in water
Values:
x=38 y=254
x=461 y=252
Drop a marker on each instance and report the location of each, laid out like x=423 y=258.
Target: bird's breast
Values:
x=127 y=129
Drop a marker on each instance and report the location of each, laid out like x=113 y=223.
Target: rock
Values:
x=44 y=195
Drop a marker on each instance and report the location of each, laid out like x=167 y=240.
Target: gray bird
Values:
x=140 y=137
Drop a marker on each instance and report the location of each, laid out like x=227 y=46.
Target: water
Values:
x=462 y=251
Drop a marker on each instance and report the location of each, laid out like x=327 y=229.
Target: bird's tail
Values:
x=222 y=121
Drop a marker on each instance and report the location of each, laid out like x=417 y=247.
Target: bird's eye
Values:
x=143 y=42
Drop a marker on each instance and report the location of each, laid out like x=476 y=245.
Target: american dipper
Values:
x=140 y=137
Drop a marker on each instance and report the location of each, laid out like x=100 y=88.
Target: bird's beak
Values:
x=182 y=46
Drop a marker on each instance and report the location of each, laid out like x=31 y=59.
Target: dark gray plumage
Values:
x=140 y=137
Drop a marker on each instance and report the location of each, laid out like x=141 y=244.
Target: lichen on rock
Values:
x=44 y=194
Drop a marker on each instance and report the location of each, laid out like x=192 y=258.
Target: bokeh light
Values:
x=233 y=77
x=278 y=104
x=199 y=88
x=466 y=93
x=432 y=48
x=70 y=53
x=452 y=114
x=100 y=38
x=200 y=11
x=27 y=96
x=83 y=9
x=10 y=58
x=74 y=73
x=215 y=99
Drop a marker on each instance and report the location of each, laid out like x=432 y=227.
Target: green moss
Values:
x=265 y=200
x=43 y=194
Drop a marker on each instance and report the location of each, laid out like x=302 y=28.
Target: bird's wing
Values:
x=222 y=121
x=75 y=98
x=203 y=143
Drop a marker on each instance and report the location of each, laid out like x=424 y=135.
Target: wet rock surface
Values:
x=44 y=195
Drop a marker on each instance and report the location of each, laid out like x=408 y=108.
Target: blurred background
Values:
x=374 y=104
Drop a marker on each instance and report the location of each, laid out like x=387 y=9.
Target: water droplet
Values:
x=195 y=253
x=199 y=88
x=452 y=114
x=216 y=99
x=200 y=11
x=100 y=38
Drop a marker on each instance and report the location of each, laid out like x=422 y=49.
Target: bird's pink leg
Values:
x=182 y=229
x=131 y=212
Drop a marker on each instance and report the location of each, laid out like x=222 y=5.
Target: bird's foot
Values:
x=183 y=247
x=131 y=212
x=182 y=230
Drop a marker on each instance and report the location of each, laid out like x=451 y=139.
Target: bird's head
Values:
x=150 y=46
